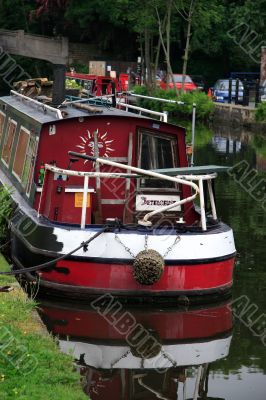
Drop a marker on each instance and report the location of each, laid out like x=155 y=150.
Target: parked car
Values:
x=199 y=81
x=220 y=90
x=263 y=92
x=188 y=86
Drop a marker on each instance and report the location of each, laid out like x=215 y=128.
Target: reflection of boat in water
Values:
x=163 y=353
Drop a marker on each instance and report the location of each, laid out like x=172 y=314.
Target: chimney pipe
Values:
x=59 y=84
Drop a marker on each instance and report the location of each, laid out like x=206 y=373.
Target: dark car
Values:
x=199 y=81
x=221 y=90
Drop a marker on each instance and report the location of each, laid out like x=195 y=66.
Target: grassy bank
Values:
x=31 y=365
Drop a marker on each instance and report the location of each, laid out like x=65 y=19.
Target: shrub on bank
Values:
x=260 y=114
x=5 y=211
x=204 y=104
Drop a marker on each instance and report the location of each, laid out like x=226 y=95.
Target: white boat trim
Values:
x=105 y=356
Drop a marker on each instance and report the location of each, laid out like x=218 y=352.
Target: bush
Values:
x=5 y=211
x=204 y=104
x=260 y=114
x=72 y=84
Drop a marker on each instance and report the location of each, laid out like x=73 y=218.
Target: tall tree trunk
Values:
x=148 y=78
x=156 y=62
x=152 y=61
x=186 y=54
x=142 y=73
x=159 y=45
x=168 y=31
x=166 y=53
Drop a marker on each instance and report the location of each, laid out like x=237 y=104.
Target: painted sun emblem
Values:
x=87 y=144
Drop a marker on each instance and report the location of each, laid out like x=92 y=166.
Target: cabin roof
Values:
x=41 y=115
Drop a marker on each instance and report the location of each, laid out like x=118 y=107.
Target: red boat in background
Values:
x=99 y=85
x=138 y=353
x=106 y=204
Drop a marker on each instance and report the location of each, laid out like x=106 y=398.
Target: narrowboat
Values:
x=99 y=85
x=163 y=353
x=106 y=202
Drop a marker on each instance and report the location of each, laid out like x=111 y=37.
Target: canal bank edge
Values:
x=31 y=364
x=237 y=115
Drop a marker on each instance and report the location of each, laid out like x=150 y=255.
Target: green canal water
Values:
x=234 y=359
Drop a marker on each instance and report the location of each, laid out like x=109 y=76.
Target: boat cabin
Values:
x=35 y=140
x=81 y=172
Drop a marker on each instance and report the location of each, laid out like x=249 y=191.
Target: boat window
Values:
x=21 y=150
x=157 y=152
x=8 y=143
x=29 y=164
x=2 y=122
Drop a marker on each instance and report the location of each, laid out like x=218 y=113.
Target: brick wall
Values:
x=263 y=65
x=81 y=53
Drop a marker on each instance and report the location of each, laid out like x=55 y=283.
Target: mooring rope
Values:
x=52 y=262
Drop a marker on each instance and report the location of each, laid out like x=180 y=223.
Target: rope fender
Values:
x=148 y=267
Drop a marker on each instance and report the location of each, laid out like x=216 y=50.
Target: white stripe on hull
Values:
x=190 y=247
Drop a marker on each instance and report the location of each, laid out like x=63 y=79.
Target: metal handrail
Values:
x=41 y=105
x=163 y=115
x=200 y=179
x=156 y=98
x=181 y=179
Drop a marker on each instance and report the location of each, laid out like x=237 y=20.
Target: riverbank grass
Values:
x=31 y=364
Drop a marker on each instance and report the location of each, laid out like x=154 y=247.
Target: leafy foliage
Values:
x=72 y=84
x=117 y=28
x=5 y=211
x=203 y=103
x=260 y=114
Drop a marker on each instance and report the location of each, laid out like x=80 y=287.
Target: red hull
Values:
x=119 y=278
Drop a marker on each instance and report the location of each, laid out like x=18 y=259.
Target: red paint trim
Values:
x=119 y=277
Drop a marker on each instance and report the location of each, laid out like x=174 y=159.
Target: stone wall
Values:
x=263 y=65
x=237 y=117
x=233 y=114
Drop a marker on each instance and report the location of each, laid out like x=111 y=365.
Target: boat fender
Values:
x=148 y=267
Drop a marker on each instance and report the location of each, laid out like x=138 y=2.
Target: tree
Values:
x=188 y=17
x=14 y=14
x=166 y=26
x=51 y=14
